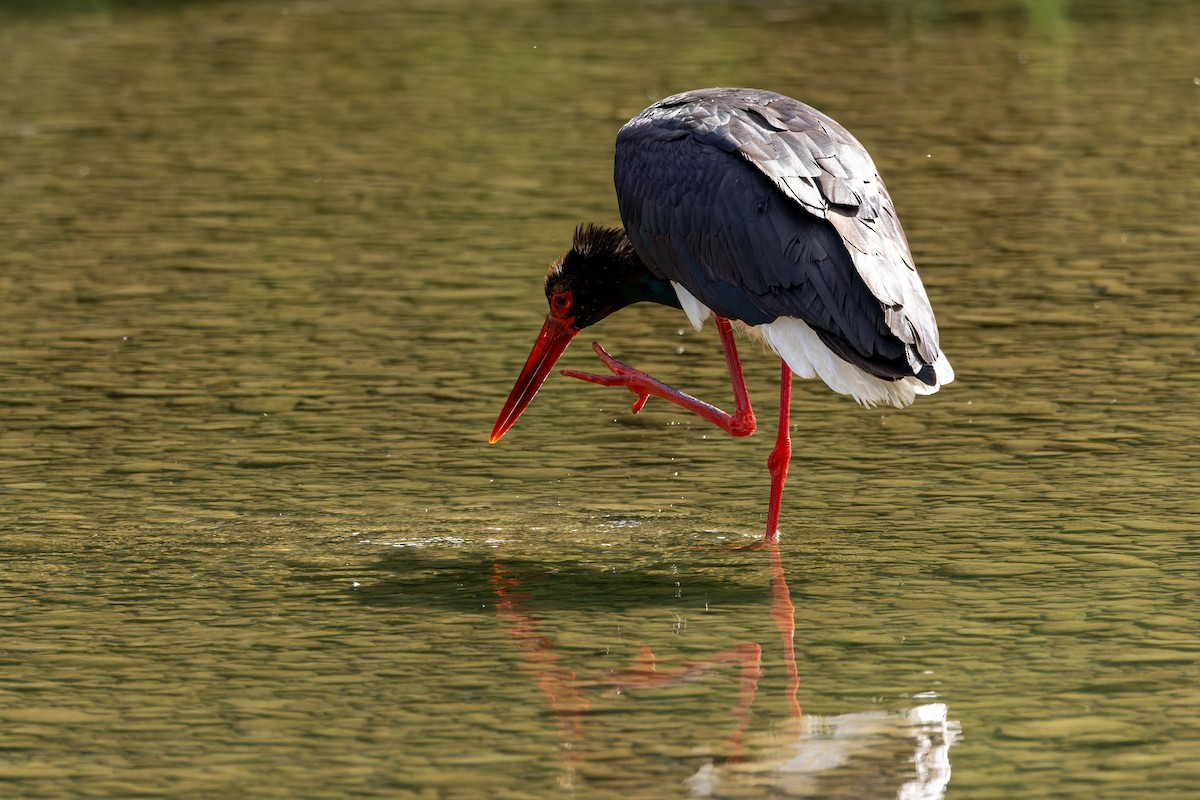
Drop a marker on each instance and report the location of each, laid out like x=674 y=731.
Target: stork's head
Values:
x=600 y=274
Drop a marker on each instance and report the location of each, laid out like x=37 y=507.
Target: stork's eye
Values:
x=560 y=304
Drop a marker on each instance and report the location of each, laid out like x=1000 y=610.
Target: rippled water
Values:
x=269 y=270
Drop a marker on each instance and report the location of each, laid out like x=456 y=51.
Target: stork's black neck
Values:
x=602 y=273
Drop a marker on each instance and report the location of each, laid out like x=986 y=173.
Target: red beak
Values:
x=551 y=342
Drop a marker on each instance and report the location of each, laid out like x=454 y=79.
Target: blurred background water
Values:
x=269 y=269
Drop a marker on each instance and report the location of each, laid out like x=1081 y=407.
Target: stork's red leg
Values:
x=777 y=462
x=740 y=423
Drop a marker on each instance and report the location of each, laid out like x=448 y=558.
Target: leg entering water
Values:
x=777 y=462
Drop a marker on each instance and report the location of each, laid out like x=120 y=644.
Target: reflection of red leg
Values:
x=740 y=423
x=556 y=682
x=563 y=688
x=777 y=462
x=647 y=675
x=784 y=614
x=751 y=661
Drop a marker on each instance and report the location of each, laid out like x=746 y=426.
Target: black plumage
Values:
x=763 y=207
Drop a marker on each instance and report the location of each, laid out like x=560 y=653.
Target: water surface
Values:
x=269 y=270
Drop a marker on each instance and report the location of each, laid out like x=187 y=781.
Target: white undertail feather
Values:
x=808 y=357
x=696 y=311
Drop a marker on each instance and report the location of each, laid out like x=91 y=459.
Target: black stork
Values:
x=745 y=205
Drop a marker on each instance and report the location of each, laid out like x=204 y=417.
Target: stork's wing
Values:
x=763 y=207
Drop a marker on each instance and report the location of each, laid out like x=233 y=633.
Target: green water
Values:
x=268 y=271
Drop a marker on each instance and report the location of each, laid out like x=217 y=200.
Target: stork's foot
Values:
x=633 y=379
x=643 y=386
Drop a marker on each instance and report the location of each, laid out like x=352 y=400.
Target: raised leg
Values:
x=740 y=423
x=777 y=462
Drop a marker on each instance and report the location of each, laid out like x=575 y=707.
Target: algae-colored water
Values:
x=269 y=269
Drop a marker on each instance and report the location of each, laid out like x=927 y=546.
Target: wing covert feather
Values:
x=764 y=207
x=821 y=186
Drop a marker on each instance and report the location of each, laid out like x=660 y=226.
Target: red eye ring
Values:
x=560 y=303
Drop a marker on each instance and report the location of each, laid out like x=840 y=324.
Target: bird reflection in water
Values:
x=864 y=754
